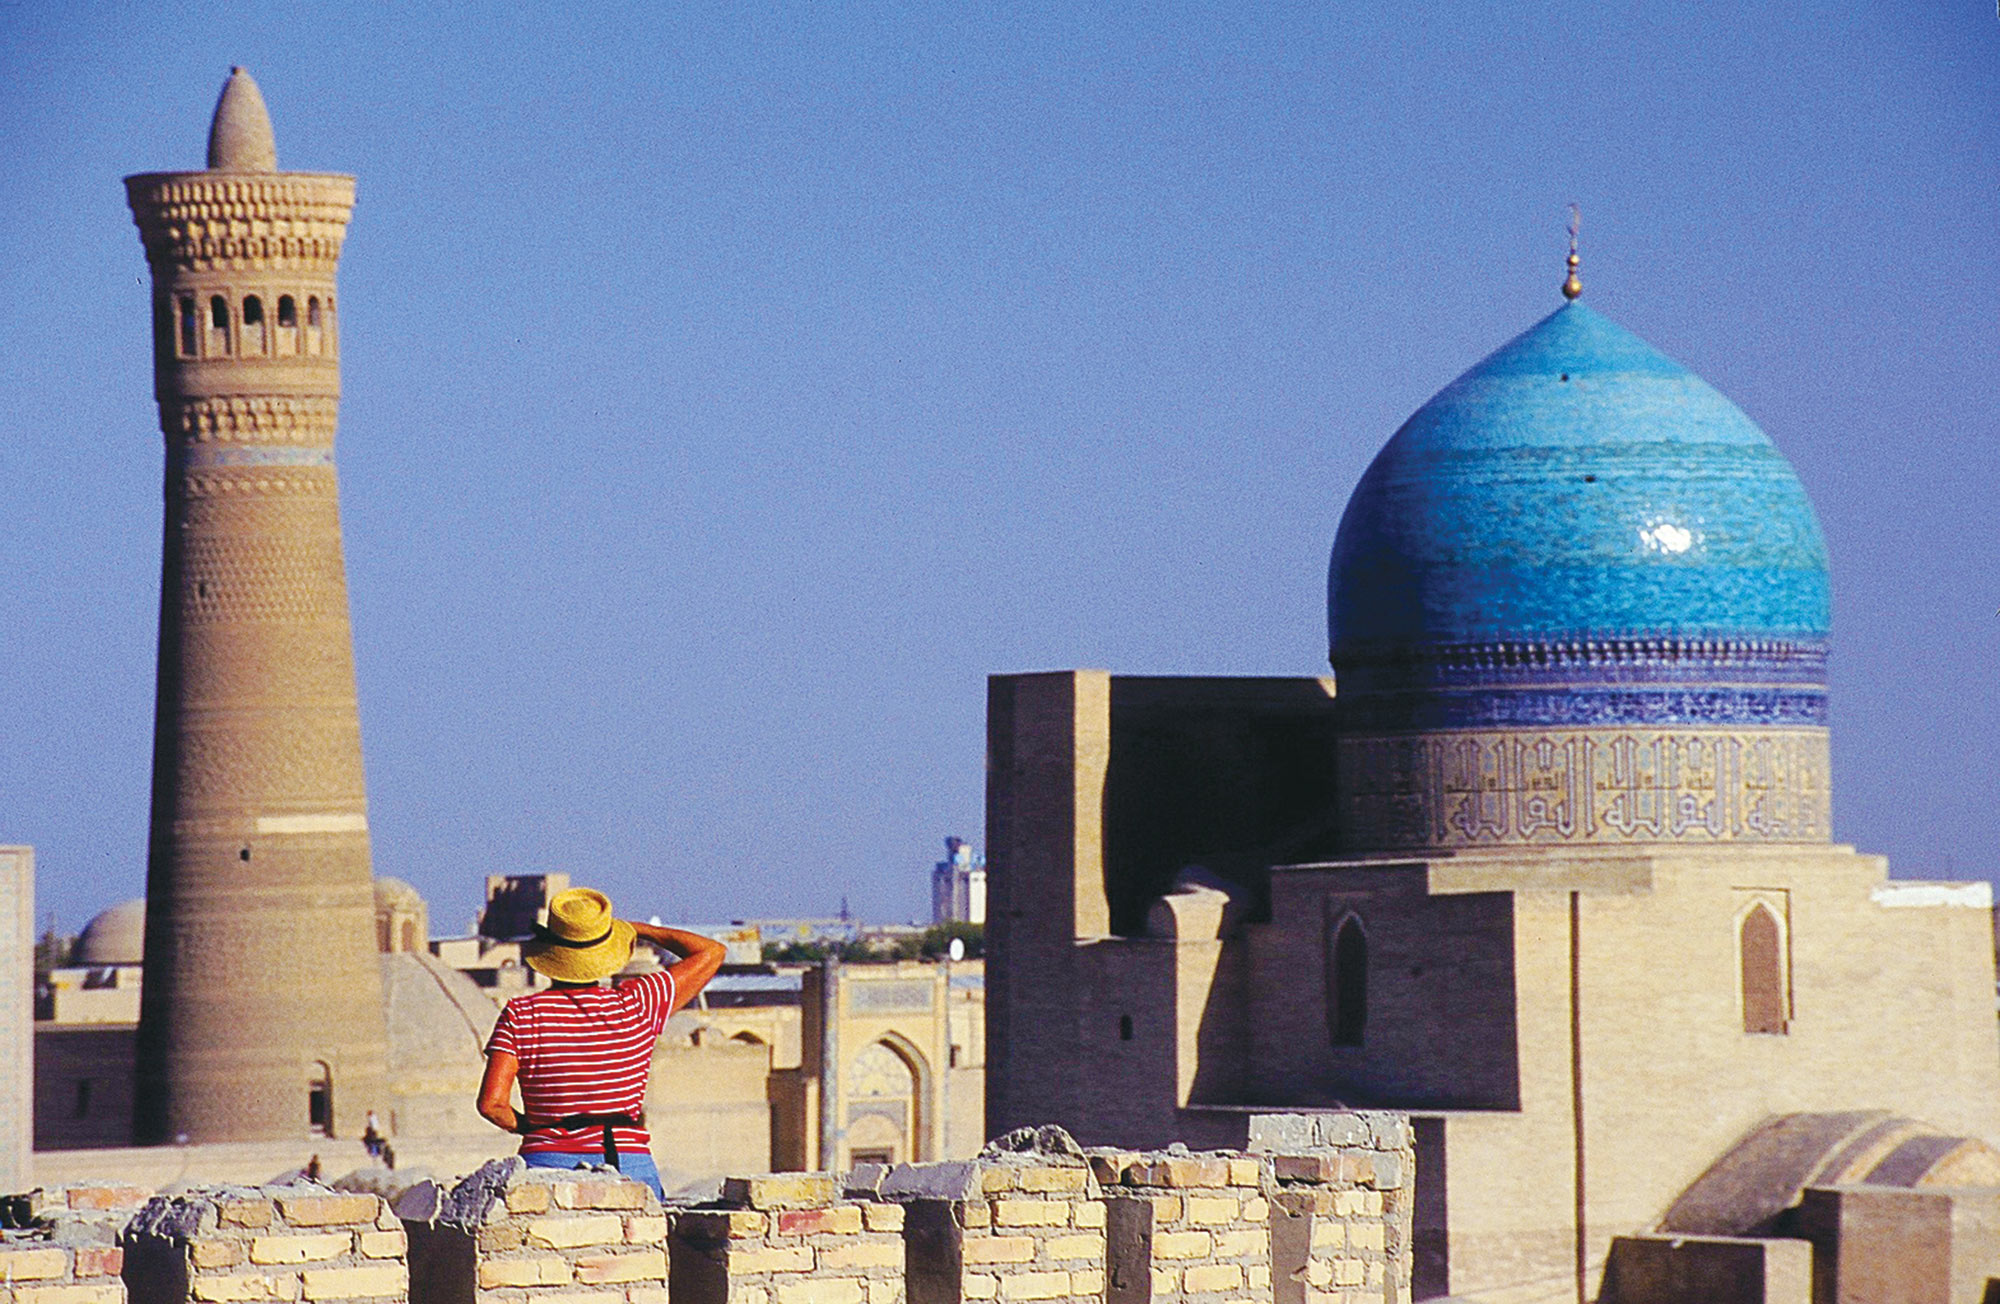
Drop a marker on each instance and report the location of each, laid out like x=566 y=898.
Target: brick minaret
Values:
x=262 y=1014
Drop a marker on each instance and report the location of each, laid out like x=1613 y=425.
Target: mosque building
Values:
x=1552 y=871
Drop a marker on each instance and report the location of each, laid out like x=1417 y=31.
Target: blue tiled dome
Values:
x=1577 y=485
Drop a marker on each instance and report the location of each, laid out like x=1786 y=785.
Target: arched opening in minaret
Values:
x=319 y=1098
x=254 y=335
x=190 y=326
x=312 y=325
x=1760 y=951
x=218 y=327
x=1346 y=963
x=332 y=329
x=288 y=326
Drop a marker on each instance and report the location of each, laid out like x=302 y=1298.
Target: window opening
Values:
x=83 y=1087
x=1124 y=1027
x=253 y=325
x=1762 y=957
x=319 y=1099
x=1347 y=983
x=218 y=327
x=312 y=325
x=288 y=326
x=190 y=329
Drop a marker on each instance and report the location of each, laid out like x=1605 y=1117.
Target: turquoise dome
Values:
x=1576 y=485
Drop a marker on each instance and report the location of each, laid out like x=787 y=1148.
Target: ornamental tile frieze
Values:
x=1576 y=787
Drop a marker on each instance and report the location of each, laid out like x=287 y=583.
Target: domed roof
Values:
x=1577 y=484
x=114 y=936
x=394 y=893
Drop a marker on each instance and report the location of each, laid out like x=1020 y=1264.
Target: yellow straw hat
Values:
x=581 y=942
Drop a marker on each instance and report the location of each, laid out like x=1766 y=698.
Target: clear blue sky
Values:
x=730 y=389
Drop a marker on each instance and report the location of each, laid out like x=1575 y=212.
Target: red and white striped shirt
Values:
x=585 y=1050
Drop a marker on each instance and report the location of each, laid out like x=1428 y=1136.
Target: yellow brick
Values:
x=1031 y=1213
x=888 y=1291
x=979 y=1285
x=247 y=1213
x=382 y=1245
x=1165 y=1281
x=1182 y=1245
x=1329 y=1235
x=1346 y=1204
x=995 y=1181
x=1245 y=1172
x=632 y=1265
x=309 y=1248
x=1371 y=1204
x=228 y=1290
x=1211 y=1276
x=1090 y=1245
x=1034 y=1285
x=502 y=1238
x=1257 y=1210
x=1055 y=1179
x=828 y=1290
x=217 y=1253
x=880 y=1254
x=387 y=1220
x=529 y=1197
x=748 y=1295
x=33 y=1265
x=884 y=1217
x=600 y=1193
x=646 y=1229
x=1365 y=1236
x=1166 y=1209
x=1258 y=1277
x=976 y=1213
x=543 y=1270
x=839 y=1220
x=1234 y=1245
x=1375 y=1271
x=1088 y=1282
x=328 y=1210
x=646 y=1294
x=782 y=1190
x=790 y=1258
x=721 y=1225
x=998 y=1249
x=557 y=1233
x=1349 y=1272
x=356 y=1283
x=1088 y=1214
x=1319 y=1273
x=1208 y=1210
x=613 y=1296
x=112 y=1294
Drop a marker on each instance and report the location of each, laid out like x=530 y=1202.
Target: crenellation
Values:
x=230 y=1245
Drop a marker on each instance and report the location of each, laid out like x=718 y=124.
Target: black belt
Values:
x=609 y=1122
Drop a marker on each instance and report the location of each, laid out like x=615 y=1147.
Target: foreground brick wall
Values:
x=1007 y=1229
x=68 y=1253
x=788 y=1238
x=1186 y=1229
x=1342 y=1206
x=508 y=1234
x=240 y=1245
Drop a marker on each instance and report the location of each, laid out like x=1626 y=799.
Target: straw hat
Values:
x=581 y=942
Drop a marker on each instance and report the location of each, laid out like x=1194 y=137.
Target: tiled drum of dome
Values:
x=1580 y=597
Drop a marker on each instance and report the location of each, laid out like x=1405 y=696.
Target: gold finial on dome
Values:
x=1573 y=284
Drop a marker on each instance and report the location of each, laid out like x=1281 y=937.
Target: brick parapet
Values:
x=245 y=1245
x=788 y=1238
x=1343 y=1196
x=65 y=1249
x=508 y=1234
x=1186 y=1228
x=1007 y=1228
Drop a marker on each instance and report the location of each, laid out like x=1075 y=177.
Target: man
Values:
x=580 y=1051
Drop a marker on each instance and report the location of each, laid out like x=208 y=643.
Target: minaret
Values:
x=262 y=1010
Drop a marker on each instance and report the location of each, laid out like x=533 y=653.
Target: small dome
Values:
x=240 y=139
x=394 y=893
x=114 y=936
x=1577 y=484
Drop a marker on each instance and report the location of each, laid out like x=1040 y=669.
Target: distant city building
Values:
x=958 y=885
x=515 y=903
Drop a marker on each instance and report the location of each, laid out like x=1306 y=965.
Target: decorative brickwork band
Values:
x=1566 y=787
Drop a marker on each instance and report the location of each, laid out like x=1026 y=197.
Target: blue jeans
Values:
x=637 y=1165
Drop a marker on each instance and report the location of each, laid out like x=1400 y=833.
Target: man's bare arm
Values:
x=700 y=958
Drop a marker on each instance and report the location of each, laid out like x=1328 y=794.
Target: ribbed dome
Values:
x=1576 y=485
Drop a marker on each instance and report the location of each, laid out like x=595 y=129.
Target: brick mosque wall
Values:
x=1040 y=1221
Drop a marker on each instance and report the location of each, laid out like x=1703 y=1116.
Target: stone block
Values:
x=372 y=1282
x=842 y=1220
x=329 y=1210
x=558 y=1232
x=1034 y=1285
x=381 y=1244
x=648 y=1229
x=33 y=1265
x=306 y=1248
x=824 y=1290
x=782 y=1190
x=998 y=1249
x=861 y=1254
x=1031 y=1213
x=1389 y=1172
x=629 y=1265
x=541 y=1270
x=601 y=1193
x=884 y=1217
